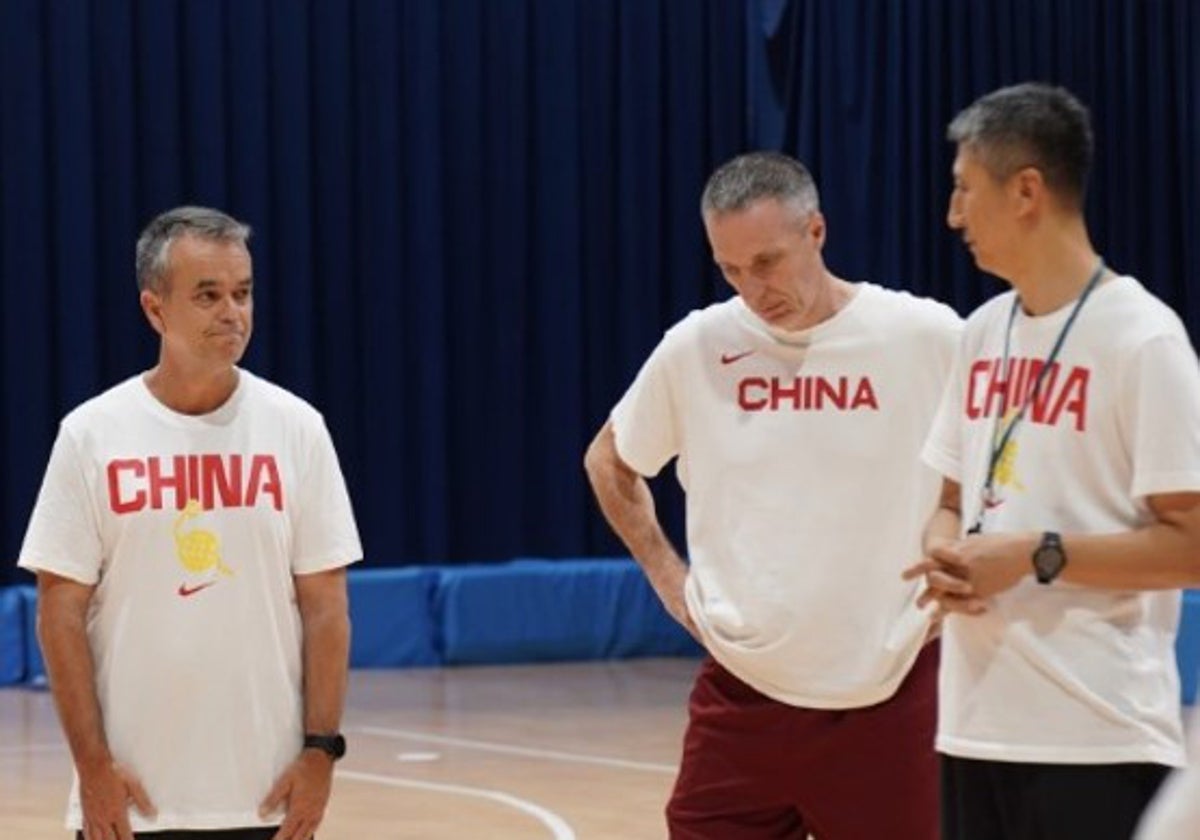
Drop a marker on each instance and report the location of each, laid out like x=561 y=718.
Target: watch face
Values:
x=335 y=745
x=1048 y=561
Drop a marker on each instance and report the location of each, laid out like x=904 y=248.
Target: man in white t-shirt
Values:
x=796 y=410
x=190 y=542
x=1069 y=442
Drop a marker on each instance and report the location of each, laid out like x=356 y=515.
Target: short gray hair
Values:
x=156 y=239
x=1030 y=124
x=756 y=176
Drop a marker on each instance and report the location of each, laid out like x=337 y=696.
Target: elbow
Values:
x=605 y=469
x=1192 y=554
x=591 y=462
x=599 y=455
x=331 y=623
x=55 y=619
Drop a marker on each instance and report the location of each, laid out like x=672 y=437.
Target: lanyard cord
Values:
x=999 y=446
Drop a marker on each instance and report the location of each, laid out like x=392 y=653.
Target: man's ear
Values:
x=1029 y=187
x=152 y=305
x=817 y=228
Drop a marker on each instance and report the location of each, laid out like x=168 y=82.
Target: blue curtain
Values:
x=863 y=90
x=473 y=219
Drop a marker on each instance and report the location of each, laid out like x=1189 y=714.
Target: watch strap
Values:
x=332 y=745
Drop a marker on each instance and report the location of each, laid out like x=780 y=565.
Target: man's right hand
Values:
x=669 y=587
x=105 y=793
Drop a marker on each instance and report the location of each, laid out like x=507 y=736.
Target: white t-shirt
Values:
x=193 y=624
x=1064 y=673
x=1175 y=812
x=806 y=496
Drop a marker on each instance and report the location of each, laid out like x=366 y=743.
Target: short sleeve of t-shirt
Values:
x=63 y=536
x=326 y=535
x=644 y=421
x=1160 y=407
x=943 y=446
x=946 y=333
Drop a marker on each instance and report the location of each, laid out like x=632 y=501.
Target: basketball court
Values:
x=561 y=751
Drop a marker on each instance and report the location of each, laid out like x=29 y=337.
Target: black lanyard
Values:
x=1004 y=438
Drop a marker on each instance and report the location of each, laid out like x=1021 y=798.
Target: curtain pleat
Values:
x=472 y=221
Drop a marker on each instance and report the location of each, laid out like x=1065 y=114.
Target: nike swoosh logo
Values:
x=185 y=590
x=730 y=358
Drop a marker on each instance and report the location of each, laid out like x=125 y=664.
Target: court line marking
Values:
x=509 y=749
x=559 y=827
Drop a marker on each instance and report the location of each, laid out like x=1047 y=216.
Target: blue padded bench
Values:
x=548 y=610
x=12 y=636
x=1187 y=645
x=523 y=611
x=35 y=668
x=391 y=617
x=390 y=610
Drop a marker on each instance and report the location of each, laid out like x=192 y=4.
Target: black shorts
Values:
x=1003 y=800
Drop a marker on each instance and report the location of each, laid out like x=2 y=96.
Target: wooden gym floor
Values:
x=578 y=751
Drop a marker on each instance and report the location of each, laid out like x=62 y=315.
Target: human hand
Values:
x=990 y=563
x=961 y=575
x=946 y=586
x=669 y=586
x=105 y=793
x=303 y=792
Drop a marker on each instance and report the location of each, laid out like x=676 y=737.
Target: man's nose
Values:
x=228 y=308
x=954 y=216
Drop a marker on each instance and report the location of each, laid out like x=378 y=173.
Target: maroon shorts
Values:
x=757 y=768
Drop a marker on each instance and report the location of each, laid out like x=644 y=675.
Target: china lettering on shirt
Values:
x=226 y=481
x=1063 y=393
x=806 y=393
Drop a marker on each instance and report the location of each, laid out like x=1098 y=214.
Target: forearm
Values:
x=62 y=634
x=326 y=654
x=628 y=505
x=1159 y=556
x=944 y=526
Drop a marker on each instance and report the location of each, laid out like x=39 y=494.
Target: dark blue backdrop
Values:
x=475 y=217
x=862 y=91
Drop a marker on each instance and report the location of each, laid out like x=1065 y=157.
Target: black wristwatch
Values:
x=332 y=745
x=1049 y=558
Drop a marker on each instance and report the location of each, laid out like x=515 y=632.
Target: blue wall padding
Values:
x=12 y=636
x=1187 y=645
x=545 y=610
x=35 y=668
x=391 y=616
x=524 y=611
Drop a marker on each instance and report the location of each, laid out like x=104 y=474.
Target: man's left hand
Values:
x=303 y=792
x=961 y=575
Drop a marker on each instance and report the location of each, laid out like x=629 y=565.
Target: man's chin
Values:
x=785 y=320
x=232 y=347
x=232 y=355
